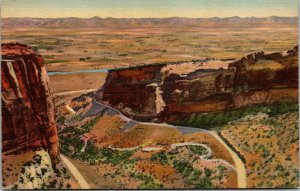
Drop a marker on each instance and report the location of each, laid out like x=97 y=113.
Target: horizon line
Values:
x=149 y=17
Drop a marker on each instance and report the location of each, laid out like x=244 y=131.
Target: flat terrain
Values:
x=74 y=82
x=81 y=49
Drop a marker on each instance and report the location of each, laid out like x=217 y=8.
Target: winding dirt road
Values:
x=70 y=109
x=74 y=171
x=205 y=157
x=240 y=167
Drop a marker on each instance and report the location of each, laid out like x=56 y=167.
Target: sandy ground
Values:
x=12 y=166
x=74 y=82
x=151 y=135
x=79 y=49
x=81 y=181
x=66 y=87
x=240 y=166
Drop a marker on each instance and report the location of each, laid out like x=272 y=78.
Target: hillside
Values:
x=97 y=22
x=112 y=151
x=269 y=144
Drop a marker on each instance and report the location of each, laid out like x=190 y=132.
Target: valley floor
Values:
x=108 y=133
x=113 y=151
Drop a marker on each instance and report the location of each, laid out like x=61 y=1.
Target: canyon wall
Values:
x=28 y=121
x=169 y=92
x=133 y=91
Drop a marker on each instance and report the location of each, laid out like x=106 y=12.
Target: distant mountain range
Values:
x=97 y=22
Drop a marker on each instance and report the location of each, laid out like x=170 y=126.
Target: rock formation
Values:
x=175 y=91
x=133 y=89
x=28 y=121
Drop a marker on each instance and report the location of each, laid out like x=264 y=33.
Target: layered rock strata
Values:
x=28 y=120
x=169 y=92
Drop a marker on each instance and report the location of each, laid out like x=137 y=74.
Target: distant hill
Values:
x=97 y=22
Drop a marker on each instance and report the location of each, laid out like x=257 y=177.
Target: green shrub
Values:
x=61 y=119
x=207 y=172
x=204 y=183
x=209 y=120
x=195 y=175
x=161 y=157
x=115 y=157
x=53 y=61
x=90 y=153
x=88 y=126
x=197 y=149
x=150 y=185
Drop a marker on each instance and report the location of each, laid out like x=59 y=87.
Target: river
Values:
x=83 y=71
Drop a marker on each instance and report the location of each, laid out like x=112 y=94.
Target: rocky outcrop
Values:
x=133 y=91
x=28 y=121
x=175 y=91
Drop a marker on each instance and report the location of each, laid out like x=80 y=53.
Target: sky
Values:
x=148 y=8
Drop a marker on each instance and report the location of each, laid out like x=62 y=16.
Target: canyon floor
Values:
x=104 y=149
x=113 y=151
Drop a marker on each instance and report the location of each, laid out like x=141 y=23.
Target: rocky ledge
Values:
x=174 y=91
x=28 y=121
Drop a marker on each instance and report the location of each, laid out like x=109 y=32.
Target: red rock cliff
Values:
x=128 y=89
x=174 y=91
x=28 y=121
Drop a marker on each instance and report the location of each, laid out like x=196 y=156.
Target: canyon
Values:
x=97 y=140
x=172 y=92
x=28 y=118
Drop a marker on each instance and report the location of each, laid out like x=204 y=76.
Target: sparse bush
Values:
x=209 y=120
x=204 y=183
x=161 y=157
x=207 y=172
x=61 y=119
x=115 y=157
x=197 y=149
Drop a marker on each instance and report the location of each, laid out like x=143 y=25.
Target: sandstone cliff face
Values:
x=133 y=91
x=28 y=121
x=174 y=91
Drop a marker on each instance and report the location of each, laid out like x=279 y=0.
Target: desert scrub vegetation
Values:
x=71 y=143
x=211 y=120
x=161 y=157
x=72 y=146
x=90 y=154
x=61 y=119
x=108 y=155
x=48 y=61
x=39 y=174
x=197 y=149
x=184 y=159
x=269 y=144
x=76 y=130
x=148 y=181
x=192 y=176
